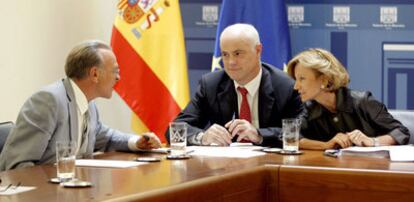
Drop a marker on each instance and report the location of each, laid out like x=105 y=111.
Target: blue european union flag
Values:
x=268 y=17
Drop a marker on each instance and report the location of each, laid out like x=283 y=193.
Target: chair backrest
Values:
x=406 y=117
x=5 y=128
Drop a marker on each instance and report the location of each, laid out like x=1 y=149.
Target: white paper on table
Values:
x=402 y=153
x=12 y=190
x=231 y=152
x=107 y=163
x=241 y=144
x=366 y=149
x=247 y=145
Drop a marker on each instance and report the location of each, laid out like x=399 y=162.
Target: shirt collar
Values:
x=344 y=100
x=80 y=97
x=253 y=85
x=344 y=103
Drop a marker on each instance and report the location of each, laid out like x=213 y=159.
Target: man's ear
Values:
x=259 y=49
x=93 y=73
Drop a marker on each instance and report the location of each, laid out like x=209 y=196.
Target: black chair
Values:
x=406 y=117
x=5 y=128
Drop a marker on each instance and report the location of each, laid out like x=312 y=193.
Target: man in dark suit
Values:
x=245 y=102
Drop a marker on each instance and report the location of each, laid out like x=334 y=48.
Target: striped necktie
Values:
x=84 y=143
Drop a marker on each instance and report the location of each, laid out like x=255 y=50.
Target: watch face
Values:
x=198 y=137
x=376 y=142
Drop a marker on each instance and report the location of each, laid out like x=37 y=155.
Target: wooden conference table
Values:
x=272 y=177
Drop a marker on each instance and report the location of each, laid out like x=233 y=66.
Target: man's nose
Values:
x=232 y=60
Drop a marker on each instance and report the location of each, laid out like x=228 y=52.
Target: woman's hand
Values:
x=340 y=140
x=360 y=139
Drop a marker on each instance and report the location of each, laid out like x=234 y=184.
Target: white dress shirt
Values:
x=82 y=104
x=252 y=97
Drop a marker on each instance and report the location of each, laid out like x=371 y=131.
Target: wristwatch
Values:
x=199 y=138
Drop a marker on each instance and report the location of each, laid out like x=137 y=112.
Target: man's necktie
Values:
x=244 y=107
x=84 y=143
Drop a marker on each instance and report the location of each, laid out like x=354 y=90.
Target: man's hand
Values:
x=341 y=139
x=148 y=141
x=216 y=134
x=360 y=139
x=244 y=129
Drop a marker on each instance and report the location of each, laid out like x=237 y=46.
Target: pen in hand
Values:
x=231 y=122
x=232 y=118
x=226 y=133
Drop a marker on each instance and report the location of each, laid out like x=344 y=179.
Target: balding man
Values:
x=65 y=111
x=245 y=102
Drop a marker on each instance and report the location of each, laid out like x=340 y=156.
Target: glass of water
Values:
x=178 y=138
x=290 y=129
x=65 y=159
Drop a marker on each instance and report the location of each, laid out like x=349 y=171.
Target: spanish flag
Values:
x=148 y=41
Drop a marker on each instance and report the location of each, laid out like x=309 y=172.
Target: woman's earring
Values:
x=322 y=87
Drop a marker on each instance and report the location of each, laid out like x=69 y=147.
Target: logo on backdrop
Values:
x=341 y=16
x=389 y=15
x=209 y=16
x=388 y=18
x=210 y=13
x=296 y=17
x=296 y=14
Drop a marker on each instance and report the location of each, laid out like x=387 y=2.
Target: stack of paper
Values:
x=375 y=152
x=395 y=153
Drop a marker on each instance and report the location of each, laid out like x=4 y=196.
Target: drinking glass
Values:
x=290 y=129
x=178 y=138
x=65 y=159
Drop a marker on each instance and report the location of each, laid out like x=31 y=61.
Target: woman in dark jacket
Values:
x=335 y=116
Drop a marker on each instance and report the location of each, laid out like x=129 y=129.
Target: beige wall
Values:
x=35 y=37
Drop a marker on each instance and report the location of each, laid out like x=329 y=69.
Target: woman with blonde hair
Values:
x=336 y=116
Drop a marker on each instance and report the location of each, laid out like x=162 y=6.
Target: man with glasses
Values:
x=65 y=111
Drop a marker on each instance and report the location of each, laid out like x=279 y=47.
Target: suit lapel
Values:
x=266 y=99
x=227 y=99
x=72 y=111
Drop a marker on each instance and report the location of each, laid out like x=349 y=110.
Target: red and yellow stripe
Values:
x=154 y=81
